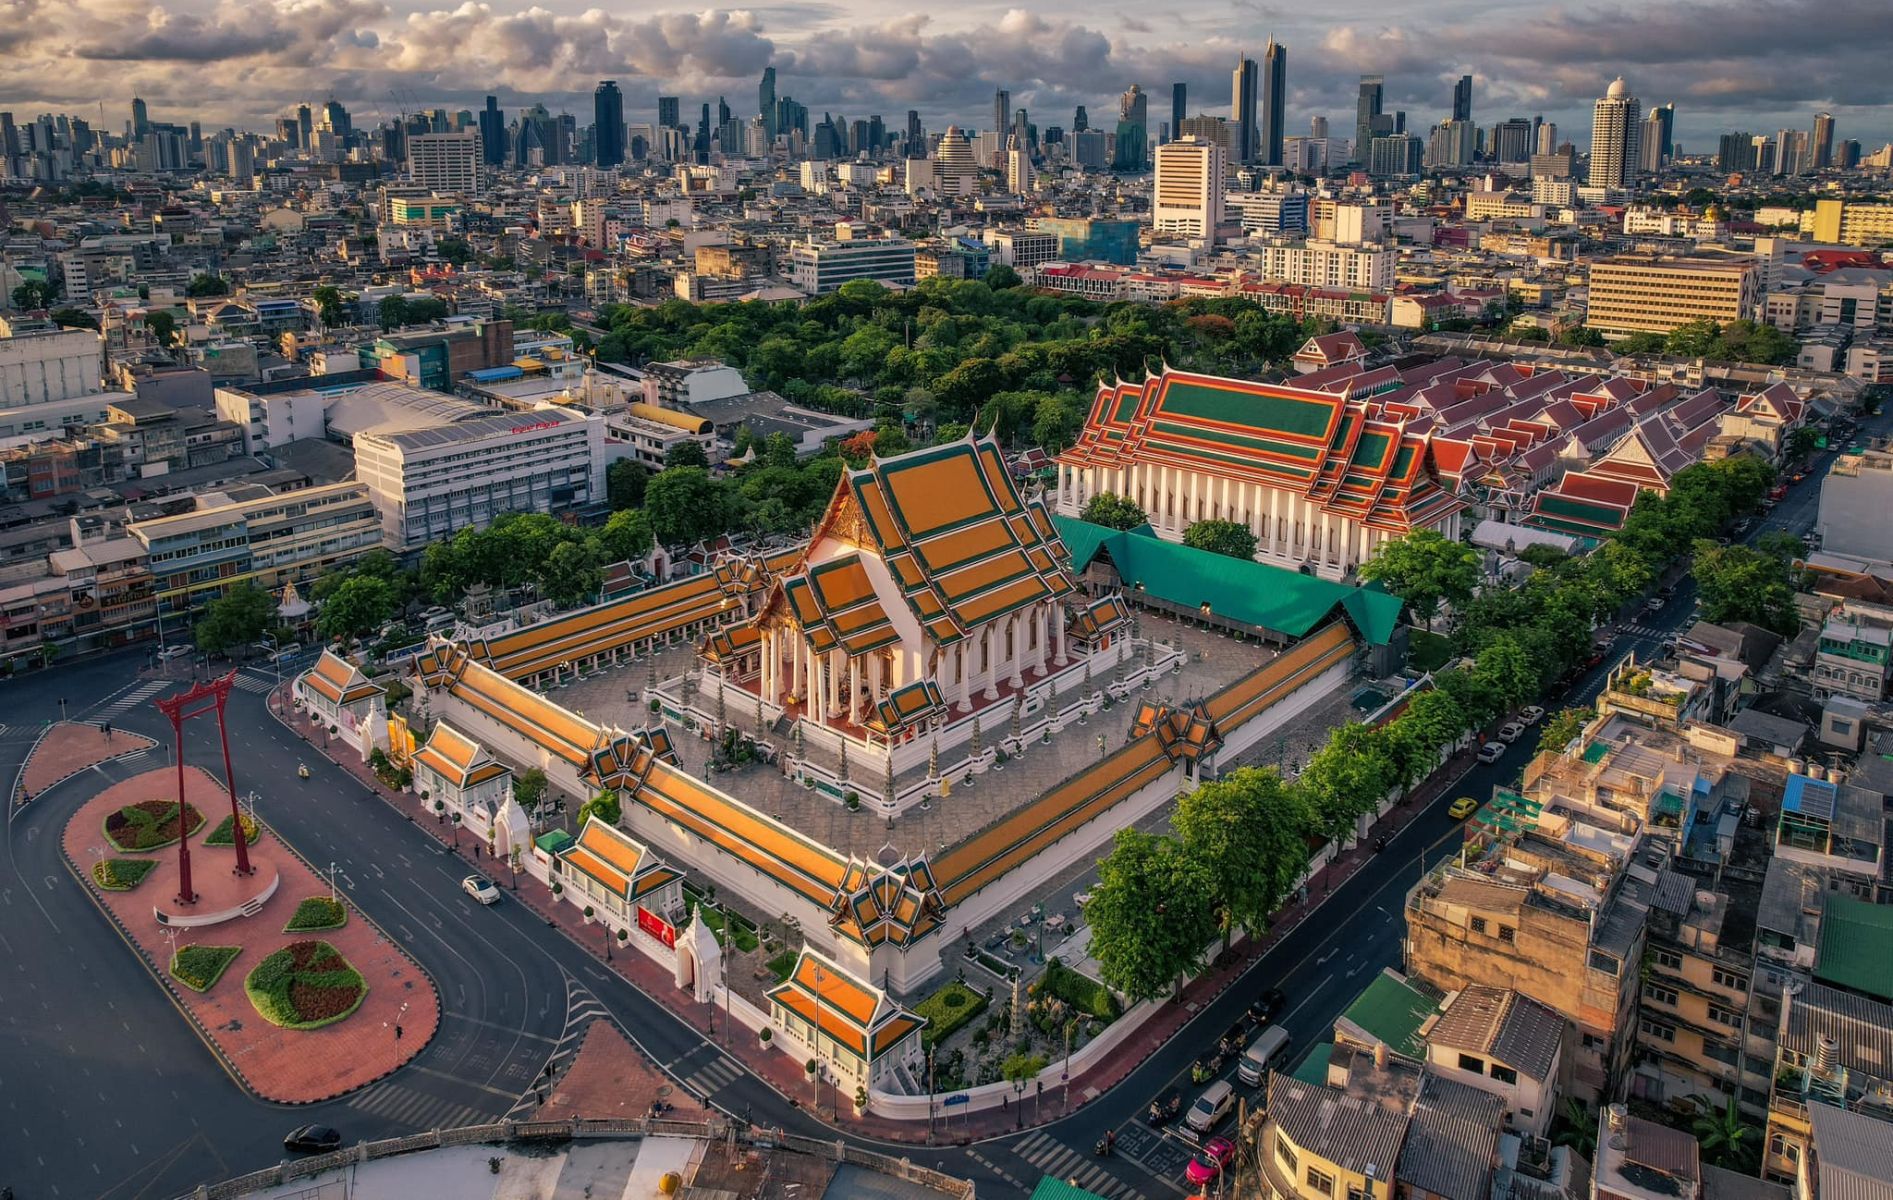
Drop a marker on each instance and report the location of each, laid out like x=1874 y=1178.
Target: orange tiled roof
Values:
x=339 y=681
x=612 y=857
x=456 y=757
x=854 y=1014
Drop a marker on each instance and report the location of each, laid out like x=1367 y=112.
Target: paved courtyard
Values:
x=1214 y=661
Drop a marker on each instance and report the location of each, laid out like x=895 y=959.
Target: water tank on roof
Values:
x=1796 y=766
x=1816 y=771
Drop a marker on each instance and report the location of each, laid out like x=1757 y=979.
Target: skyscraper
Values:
x=1547 y=138
x=1179 y=107
x=1318 y=127
x=1133 y=130
x=140 y=118
x=336 y=118
x=1079 y=122
x=669 y=112
x=1242 y=101
x=1187 y=192
x=493 y=133
x=1366 y=111
x=1018 y=166
x=1462 y=99
x=1654 y=146
x=608 y=124
x=916 y=136
x=1615 y=129
x=766 y=101
x=1268 y=148
x=1735 y=152
x=1823 y=146
x=1002 y=111
x=305 y=121
x=1511 y=141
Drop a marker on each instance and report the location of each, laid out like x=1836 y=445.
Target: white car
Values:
x=1511 y=732
x=1531 y=716
x=171 y=652
x=481 y=889
x=1491 y=752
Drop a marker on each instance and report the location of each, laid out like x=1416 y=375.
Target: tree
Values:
x=686 y=453
x=454 y=250
x=1249 y=830
x=202 y=285
x=1000 y=276
x=1347 y=777
x=1113 y=511
x=74 y=318
x=1741 y=584
x=1151 y=914
x=329 y=308
x=529 y=788
x=235 y=619
x=1726 y=1137
x=357 y=607
x=626 y=536
x=570 y=575
x=1803 y=441
x=685 y=505
x=33 y=293
x=1642 y=343
x=163 y=326
x=393 y=312
x=604 y=806
x=624 y=484
x=1562 y=728
x=1433 y=720
x=1230 y=538
x=1424 y=568
x=1506 y=667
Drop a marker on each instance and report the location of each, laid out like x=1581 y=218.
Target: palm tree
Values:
x=1576 y=1127
x=1726 y=1137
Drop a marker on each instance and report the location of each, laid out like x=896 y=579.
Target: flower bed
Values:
x=122 y=874
x=948 y=1009
x=223 y=835
x=200 y=967
x=317 y=912
x=149 y=825
x=305 y=985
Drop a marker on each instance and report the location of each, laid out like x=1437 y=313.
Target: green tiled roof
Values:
x=1314 y=1068
x=1309 y=418
x=1249 y=592
x=1856 y=946
x=1393 y=1011
x=1050 y=1188
x=553 y=841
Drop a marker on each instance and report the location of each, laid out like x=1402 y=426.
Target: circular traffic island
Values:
x=305 y=985
x=150 y=825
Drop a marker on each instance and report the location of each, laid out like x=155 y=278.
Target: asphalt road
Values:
x=107 y=1092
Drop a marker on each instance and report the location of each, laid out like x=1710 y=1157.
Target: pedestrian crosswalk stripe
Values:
x=709 y=1080
x=251 y=683
x=1060 y=1161
x=403 y=1105
x=132 y=699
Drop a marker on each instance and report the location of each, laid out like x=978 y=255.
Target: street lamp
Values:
x=332 y=883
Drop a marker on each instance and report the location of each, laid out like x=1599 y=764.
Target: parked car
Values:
x=1211 y=1107
x=1462 y=808
x=1510 y=732
x=1209 y=1162
x=481 y=889
x=1531 y=715
x=1653 y=605
x=171 y=652
x=1491 y=752
x=312 y=1139
x=1263 y=1008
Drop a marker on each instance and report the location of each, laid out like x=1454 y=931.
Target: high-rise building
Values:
x=1396 y=154
x=916 y=136
x=1462 y=99
x=1366 y=116
x=1547 y=138
x=1079 y=121
x=140 y=118
x=669 y=112
x=608 y=124
x=1133 y=130
x=955 y=171
x=1847 y=156
x=1179 y=107
x=1511 y=141
x=1615 y=129
x=1002 y=111
x=766 y=101
x=1242 y=106
x=1648 y=294
x=1655 y=146
x=1018 y=166
x=1453 y=144
x=445 y=162
x=1822 y=150
x=1791 y=152
x=1735 y=152
x=1187 y=196
x=305 y=121
x=1318 y=127
x=1268 y=150
x=336 y=119
x=493 y=133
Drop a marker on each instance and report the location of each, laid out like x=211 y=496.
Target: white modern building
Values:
x=43 y=367
x=448 y=163
x=428 y=484
x=1319 y=264
x=820 y=267
x=1188 y=187
x=1616 y=129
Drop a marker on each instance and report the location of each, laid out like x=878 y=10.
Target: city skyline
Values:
x=223 y=67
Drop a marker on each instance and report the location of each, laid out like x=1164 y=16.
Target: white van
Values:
x=1210 y=1107
x=1266 y=1053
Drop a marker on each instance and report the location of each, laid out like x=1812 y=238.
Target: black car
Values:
x=313 y=1139
x=1263 y=1008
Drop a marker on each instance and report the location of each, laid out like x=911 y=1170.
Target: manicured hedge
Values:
x=200 y=967
x=148 y=825
x=1082 y=992
x=948 y=1009
x=317 y=912
x=222 y=835
x=122 y=874
x=305 y=985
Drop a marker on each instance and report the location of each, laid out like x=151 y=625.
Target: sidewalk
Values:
x=786 y=1076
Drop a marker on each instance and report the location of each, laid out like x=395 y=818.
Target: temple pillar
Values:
x=963 y=681
x=1042 y=622
x=991 y=658
x=854 y=690
x=1058 y=632
x=1017 y=625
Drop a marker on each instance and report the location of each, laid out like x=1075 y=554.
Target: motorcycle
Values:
x=1166 y=1108
x=302 y=772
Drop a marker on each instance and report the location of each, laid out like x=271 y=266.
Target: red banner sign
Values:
x=657 y=926
x=535 y=425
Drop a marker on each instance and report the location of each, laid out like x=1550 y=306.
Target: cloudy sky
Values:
x=1758 y=65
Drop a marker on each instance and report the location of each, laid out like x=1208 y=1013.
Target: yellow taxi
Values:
x=1462 y=808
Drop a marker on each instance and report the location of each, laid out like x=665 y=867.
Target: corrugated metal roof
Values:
x=1851 y=1154
x=1354 y=1134
x=1856 y=946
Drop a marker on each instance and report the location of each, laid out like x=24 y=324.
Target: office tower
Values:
x=916 y=139
x=1079 y=122
x=305 y=121
x=140 y=118
x=1242 y=104
x=766 y=101
x=955 y=172
x=860 y=140
x=1274 y=102
x=1791 y=152
x=825 y=142
x=1655 y=146
x=493 y=133
x=1022 y=130
x=722 y=112
x=1087 y=148
x=1511 y=141
x=335 y=117
x=1547 y=138
x=9 y=146
x=791 y=117
x=1615 y=125
x=1453 y=144
x=1396 y=154
x=1847 y=157
x=1179 y=106
x=1462 y=99
x=669 y=112
x=1823 y=146
x=1018 y=166
x=1366 y=114
x=1002 y=111
x=1133 y=130
x=700 y=146
x=608 y=124
x=1318 y=128
x=445 y=162
x=242 y=161
x=1187 y=192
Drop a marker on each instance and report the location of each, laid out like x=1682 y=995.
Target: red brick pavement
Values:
x=610 y=1079
x=69 y=747
x=286 y=1066
x=786 y=1076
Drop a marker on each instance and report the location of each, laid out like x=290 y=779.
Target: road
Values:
x=106 y=1092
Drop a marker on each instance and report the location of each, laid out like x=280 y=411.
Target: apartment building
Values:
x=1649 y=294
x=1361 y=268
x=1187 y=189
x=1850 y=224
x=818 y=268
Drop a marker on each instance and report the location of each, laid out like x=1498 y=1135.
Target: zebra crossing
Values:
x=581 y=1009
x=1647 y=632
x=1055 y=1158
x=139 y=695
x=250 y=683
x=395 y=1102
x=713 y=1077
